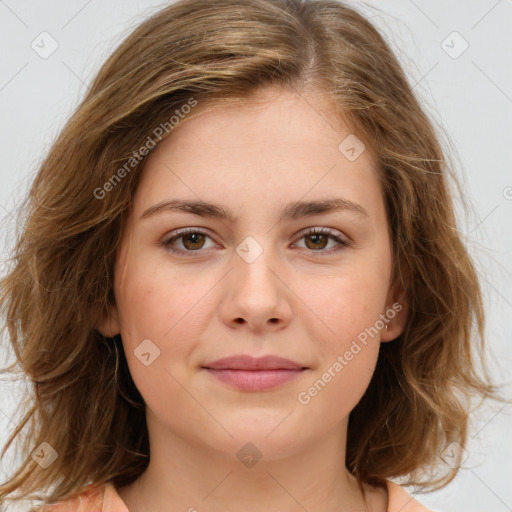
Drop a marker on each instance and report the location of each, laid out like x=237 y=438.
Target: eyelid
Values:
x=321 y=230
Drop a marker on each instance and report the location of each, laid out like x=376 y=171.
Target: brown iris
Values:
x=196 y=240
x=318 y=239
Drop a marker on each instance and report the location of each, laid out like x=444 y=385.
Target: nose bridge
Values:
x=256 y=262
x=251 y=249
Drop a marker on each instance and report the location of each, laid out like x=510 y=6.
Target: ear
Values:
x=397 y=310
x=108 y=323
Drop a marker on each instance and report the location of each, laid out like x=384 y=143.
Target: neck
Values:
x=181 y=476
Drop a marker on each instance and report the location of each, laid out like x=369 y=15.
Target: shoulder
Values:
x=399 y=500
x=89 y=500
x=104 y=498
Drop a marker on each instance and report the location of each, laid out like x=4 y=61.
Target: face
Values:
x=310 y=284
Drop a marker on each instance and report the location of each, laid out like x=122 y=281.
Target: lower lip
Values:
x=255 y=380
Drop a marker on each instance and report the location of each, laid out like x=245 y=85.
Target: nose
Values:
x=256 y=296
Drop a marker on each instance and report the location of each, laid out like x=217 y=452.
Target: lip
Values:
x=254 y=374
x=246 y=362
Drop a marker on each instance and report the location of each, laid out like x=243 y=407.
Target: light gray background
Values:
x=469 y=96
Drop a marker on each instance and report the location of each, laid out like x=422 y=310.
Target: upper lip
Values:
x=246 y=362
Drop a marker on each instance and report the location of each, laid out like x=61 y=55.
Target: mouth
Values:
x=247 y=373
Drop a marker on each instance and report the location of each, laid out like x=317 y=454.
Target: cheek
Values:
x=337 y=388
x=348 y=341
x=160 y=305
x=163 y=315
x=345 y=305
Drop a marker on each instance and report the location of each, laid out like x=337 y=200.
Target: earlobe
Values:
x=395 y=325
x=108 y=324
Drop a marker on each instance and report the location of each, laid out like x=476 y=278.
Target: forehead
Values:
x=272 y=114
x=280 y=144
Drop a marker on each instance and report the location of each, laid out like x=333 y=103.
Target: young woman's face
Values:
x=257 y=281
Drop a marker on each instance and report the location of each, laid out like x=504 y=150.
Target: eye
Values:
x=317 y=239
x=191 y=240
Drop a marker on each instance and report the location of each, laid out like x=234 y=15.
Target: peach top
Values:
x=104 y=498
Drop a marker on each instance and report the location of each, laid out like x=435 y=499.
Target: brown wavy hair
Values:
x=82 y=400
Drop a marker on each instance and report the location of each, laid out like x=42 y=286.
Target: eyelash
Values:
x=312 y=231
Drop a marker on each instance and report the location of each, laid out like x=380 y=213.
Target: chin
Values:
x=271 y=440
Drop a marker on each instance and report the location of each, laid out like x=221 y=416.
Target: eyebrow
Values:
x=292 y=211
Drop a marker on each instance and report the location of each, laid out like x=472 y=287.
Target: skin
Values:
x=291 y=301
